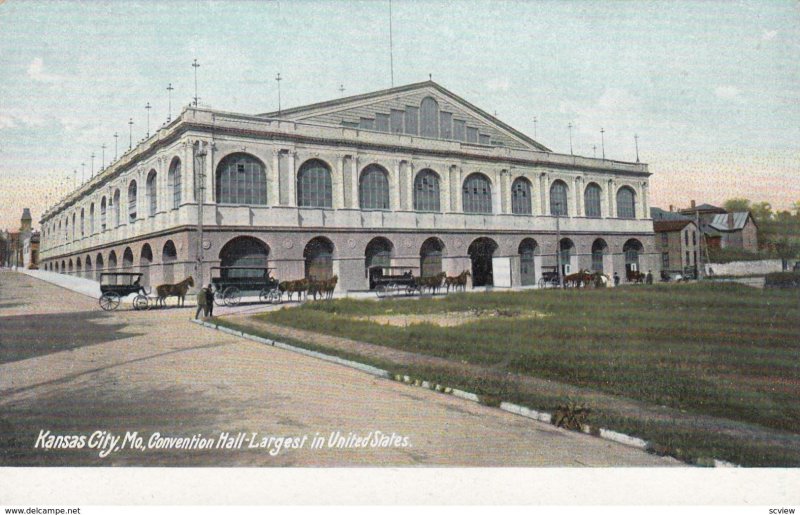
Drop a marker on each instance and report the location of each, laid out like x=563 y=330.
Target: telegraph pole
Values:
x=636 y=140
x=570 y=137
x=200 y=153
x=103 y=164
x=341 y=90
x=83 y=172
x=116 y=139
x=148 y=107
x=603 y=141
x=278 y=79
x=130 y=134
x=534 y=127
x=91 y=174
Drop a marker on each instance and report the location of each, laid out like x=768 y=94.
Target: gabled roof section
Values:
x=730 y=221
x=656 y=213
x=670 y=225
x=350 y=111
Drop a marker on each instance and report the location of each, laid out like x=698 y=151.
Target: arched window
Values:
x=73 y=225
x=426 y=191
x=632 y=249
x=429 y=118
x=318 y=256
x=174 y=180
x=98 y=262
x=377 y=254
x=527 y=261
x=599 y=249
x=169 y=255
x=558 y=199
x=127 y=258
x=83 y=222
x=152 y=193
x=626 y=203
x=374 y=188
x=314 y=188
x=117 y=215
x=521 y=197
x=145 y=260
x=430 y=257
x=241 y=179
x=103 y=214
x=591 y=200
x=477 y=197
x=132 y=201
x=91 y=218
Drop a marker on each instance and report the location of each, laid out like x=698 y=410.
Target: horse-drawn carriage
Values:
x=393 y=280
x=114 y=286
x=549 y=278
x=233 y=282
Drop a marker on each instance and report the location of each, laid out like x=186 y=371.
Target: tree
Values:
x=736 y=204
x=762 y=211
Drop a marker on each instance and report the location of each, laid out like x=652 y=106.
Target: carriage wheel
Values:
x=232 y=296
x=542 y=282
x=109 y=301
x=219 y=299
x=265 y=295
x=380 y=291
x=140 y=302
x=275 y=296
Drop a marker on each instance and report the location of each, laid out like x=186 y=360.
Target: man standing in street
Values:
x=201 y=303
x=209 y=301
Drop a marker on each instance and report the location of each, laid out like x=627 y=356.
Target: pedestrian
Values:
x=201 y=302
x=649 y=278
x=210 y=300
x=616 y=279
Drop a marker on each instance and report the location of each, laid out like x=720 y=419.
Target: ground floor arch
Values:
x=88 y=268
x=244 y=251
x=318 y=258
x=377 y=253
x=528 y=249
x=169 y=255
x=78 y=267
x=430 y=257
x=145 y=262
x=568 y=256
x=98 y=263
x=480 y=253
x=600 y=255
x=632 y=249
x=127 y=259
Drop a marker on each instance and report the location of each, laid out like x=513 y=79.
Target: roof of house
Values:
x=670 y=225
x=656 y=213
x=703 y=208
x=720 y=222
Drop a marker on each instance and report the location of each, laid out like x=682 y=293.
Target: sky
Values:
x=711 y=88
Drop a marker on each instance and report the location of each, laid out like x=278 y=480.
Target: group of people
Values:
x=205 y=302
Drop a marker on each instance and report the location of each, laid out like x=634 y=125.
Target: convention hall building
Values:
x=409 y=176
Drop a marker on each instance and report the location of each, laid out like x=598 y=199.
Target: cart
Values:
x=393 y=280
x=549 y=278
x=232 y=282
x=116 y=285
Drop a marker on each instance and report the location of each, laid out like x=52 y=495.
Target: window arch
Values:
x=169 y=255
x=117 y=200
x=244 y=251
x=103 y=214
x=318 y=256
x=632 y=249
x=91 y=218
x=83 y=222
x=426 y=191
x=626 y=203
x=429 y=118
x=98 y=267
x=528 y=248
x=132 y=201
x=314 y=187
x=521 y=196
x=558 y=198
x=477 y=194
x=374 y=188
x=430 y=257
x=174 y=182
x=599 y=250
x=152 y=193
x=241 y=179
x=378 y=253
x=591 y=200
x=127 y=258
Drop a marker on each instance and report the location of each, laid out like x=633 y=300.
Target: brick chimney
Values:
x=730 y=220
x=671 y=208
x=693 y=205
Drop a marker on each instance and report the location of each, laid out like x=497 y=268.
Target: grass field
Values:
x=716 y=349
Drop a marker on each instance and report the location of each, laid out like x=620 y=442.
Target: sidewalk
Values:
x=77 y=284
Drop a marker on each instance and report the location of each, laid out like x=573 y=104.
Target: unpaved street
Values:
x=71 y=369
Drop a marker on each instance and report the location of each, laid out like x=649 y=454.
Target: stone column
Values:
x=612 y=212
x=505 y=196
x=408 y=183
x=354 y=182
x=578 y=189
x=444 y=189
x=394 y=187
x=544 y=181
x=273 y=181
x=291 y=183
x=645 y=209
x=456 y=184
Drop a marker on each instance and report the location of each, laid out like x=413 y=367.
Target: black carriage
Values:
x=393 y=280
x=116 y=285
x=549 y=278
x=234 y=282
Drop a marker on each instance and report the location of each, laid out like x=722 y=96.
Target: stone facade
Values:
x=99 y=227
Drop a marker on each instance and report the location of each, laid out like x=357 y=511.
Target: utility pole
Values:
x=636 y=140
x=570 y=137
x=169 y=97
x=341 y=90
x=103 y=164
x=278 y=79
x=130 y=134
x=698 y=264
x=594 y=151
x=195 y=65
x=83 y=172
x=534 y=127
x=92 y=169
x=116 y=140
x=200 y=153
x=603 y=141
x=148 y=107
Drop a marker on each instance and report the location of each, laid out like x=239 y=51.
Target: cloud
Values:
x=769 y=35
x=13 y=117
x=498 y=84
x=728 y=93
x=37 y=73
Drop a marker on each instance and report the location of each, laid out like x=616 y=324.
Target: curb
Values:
x=540 y=416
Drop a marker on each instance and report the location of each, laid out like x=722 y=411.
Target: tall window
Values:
x=83 y=222
x=626 y=206
x=477 y=194
x=558 y=199
x=429 y=118
x=152 y=193
x=314 y=188
x=412 y=120
x=174 y=181
x=374 y=188
x=665 y=260
x=91 y=218
x=694 y=238
x=521 y=197
x=132 y=201
x=241 y=179
x=117 y=200
x=598 y=250
x=591 y=200
x=426 y=191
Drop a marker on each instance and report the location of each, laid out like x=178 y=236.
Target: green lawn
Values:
x=720 y=349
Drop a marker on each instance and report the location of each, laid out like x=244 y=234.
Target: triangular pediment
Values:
x=399 y=110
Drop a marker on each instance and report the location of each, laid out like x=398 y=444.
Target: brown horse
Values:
x=174 y=290
x=459 y=281
x=634 y=276
x=579 y=279
x=300 y=286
